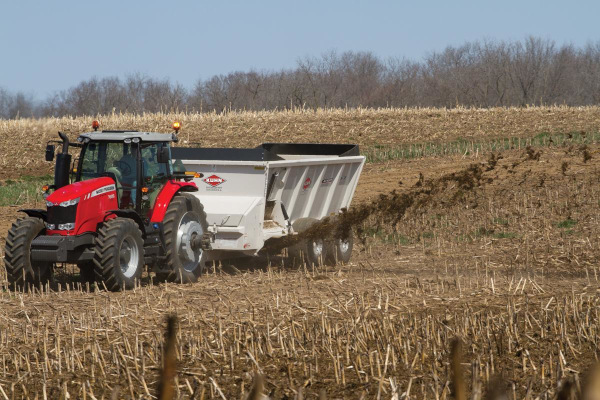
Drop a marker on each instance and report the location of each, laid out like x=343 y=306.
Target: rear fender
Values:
x=36 y=213
x=165 y=196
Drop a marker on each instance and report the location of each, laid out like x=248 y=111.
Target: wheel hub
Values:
x=187 y=233
x=128 y=257
x=317 y=246
x=344 y=245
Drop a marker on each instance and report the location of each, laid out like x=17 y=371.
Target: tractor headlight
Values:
x=49 y=203
x=68 y=203
x=50 y=227
x=66 y=227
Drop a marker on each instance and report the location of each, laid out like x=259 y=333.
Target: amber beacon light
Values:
x=176 y=126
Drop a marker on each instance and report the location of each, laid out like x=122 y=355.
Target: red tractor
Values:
x=126 y=208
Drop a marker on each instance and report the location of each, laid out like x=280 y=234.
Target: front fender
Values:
x=166 y=195
x=37 y=213
x=131 y=214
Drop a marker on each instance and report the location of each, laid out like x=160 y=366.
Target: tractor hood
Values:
x=83 y=189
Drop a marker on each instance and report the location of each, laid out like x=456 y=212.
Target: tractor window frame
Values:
x=135 y=151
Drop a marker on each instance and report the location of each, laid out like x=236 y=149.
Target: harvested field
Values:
x=367 y=127
x=499 y=249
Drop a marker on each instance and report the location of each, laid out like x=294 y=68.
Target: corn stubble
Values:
x=23 y=140
x=326 y=334
x=478 y=283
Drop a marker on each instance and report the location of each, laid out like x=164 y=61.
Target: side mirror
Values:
x=163 y=155
x=50 y=152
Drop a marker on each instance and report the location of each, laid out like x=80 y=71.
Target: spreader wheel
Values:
x=339 y=249
x=311 y=250
x=184 y=227
x=21 y=271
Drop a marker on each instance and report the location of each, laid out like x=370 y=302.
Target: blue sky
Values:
x=51 y=45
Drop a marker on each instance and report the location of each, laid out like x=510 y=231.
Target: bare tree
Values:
x=401 y=83
x=481 y=73
x=16 y=105
x=528 y=61
x=587 y=85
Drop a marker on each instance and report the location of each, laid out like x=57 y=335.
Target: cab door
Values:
x=154 y=175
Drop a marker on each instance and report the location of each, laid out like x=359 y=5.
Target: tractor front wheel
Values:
x=184 y=226
x=21 y=271
x=119 y=254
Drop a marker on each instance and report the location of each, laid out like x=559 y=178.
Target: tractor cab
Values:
x=138 y=162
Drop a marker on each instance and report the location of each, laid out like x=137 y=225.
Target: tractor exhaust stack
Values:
x=63 y=163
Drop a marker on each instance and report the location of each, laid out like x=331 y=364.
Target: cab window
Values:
x=114 y=159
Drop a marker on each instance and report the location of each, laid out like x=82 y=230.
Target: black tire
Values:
x=339 y=250
x=20 y=270
x=183 y=264
x=312 y=251
x=119 y=254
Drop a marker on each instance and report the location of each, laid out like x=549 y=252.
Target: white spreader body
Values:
x=252 y=195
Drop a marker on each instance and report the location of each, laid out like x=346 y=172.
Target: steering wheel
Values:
x=123 y=167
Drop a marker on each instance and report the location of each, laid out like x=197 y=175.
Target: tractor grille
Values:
x=61 y=215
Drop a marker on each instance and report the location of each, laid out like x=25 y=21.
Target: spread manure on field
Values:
x=389 y=209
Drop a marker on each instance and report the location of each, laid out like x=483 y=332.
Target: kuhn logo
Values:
x=306 y=184
x=214 y=180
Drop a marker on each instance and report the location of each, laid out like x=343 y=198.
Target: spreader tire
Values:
x=20 y=270
x=339 y=250
x=184 y=220
x=309 y=250
x=119 y=254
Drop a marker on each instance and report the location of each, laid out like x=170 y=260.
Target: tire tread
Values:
x=106 y=240
x=14 y=253
x=183 y=201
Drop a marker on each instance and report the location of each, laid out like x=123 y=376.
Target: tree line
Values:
x=532 y=71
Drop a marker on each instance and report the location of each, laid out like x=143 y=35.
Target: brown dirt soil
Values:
x=500 y=251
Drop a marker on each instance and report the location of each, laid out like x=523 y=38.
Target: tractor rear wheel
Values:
x=119 y=254
x=21 y=271
x=184 y=225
